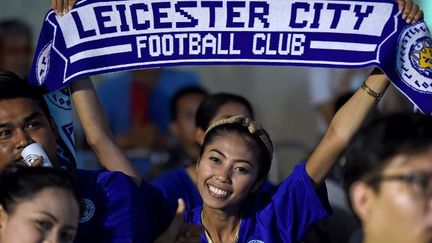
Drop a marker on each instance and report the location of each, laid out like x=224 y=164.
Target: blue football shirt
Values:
x=282 y=213
x=112 y=209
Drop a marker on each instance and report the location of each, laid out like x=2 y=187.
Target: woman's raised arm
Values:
x=344 y=125
x=97 y=130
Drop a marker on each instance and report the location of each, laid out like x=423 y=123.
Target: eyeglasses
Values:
x=422 y=181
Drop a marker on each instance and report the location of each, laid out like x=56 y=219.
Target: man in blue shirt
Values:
x=112 y=209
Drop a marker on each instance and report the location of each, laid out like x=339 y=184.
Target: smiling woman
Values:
x=37 y=204
x=234 y=161
x=230 y=158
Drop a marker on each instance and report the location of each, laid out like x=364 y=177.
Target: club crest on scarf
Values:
x=43 y=63
x=415 y=55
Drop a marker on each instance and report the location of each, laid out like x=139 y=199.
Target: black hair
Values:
x=210 y=106
x=190 y=90
x=263 y=154
x=20 y=183
x=384 y=138
x=13 y=86
x=14 y=27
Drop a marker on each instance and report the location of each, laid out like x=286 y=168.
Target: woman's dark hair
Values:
x=210 y=106
x=384 y=138
x=19 y=183
x=245 y=127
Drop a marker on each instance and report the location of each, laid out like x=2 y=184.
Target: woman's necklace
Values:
x=209 y=240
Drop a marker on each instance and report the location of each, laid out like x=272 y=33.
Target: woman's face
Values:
x=227 y=171
x=51 y=216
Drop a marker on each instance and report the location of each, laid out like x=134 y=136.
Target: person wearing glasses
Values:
x=388 y=178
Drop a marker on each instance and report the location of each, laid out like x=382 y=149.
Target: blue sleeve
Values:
x=295 y=206
x=123 y=213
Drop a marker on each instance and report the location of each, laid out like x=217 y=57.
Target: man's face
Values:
x=22 y=121
x=401 y=210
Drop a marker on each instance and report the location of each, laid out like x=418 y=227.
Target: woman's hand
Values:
x=62 y=7
x=411 y=12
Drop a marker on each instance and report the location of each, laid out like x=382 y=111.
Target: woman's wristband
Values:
x=370 y=92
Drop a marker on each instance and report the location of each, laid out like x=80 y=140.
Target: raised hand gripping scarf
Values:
x=100 y=36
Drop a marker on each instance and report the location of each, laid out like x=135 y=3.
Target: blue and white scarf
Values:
x=100 y=36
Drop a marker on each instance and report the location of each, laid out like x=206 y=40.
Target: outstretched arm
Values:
x=350 y=117
x=343 y=126
x=97 y=130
